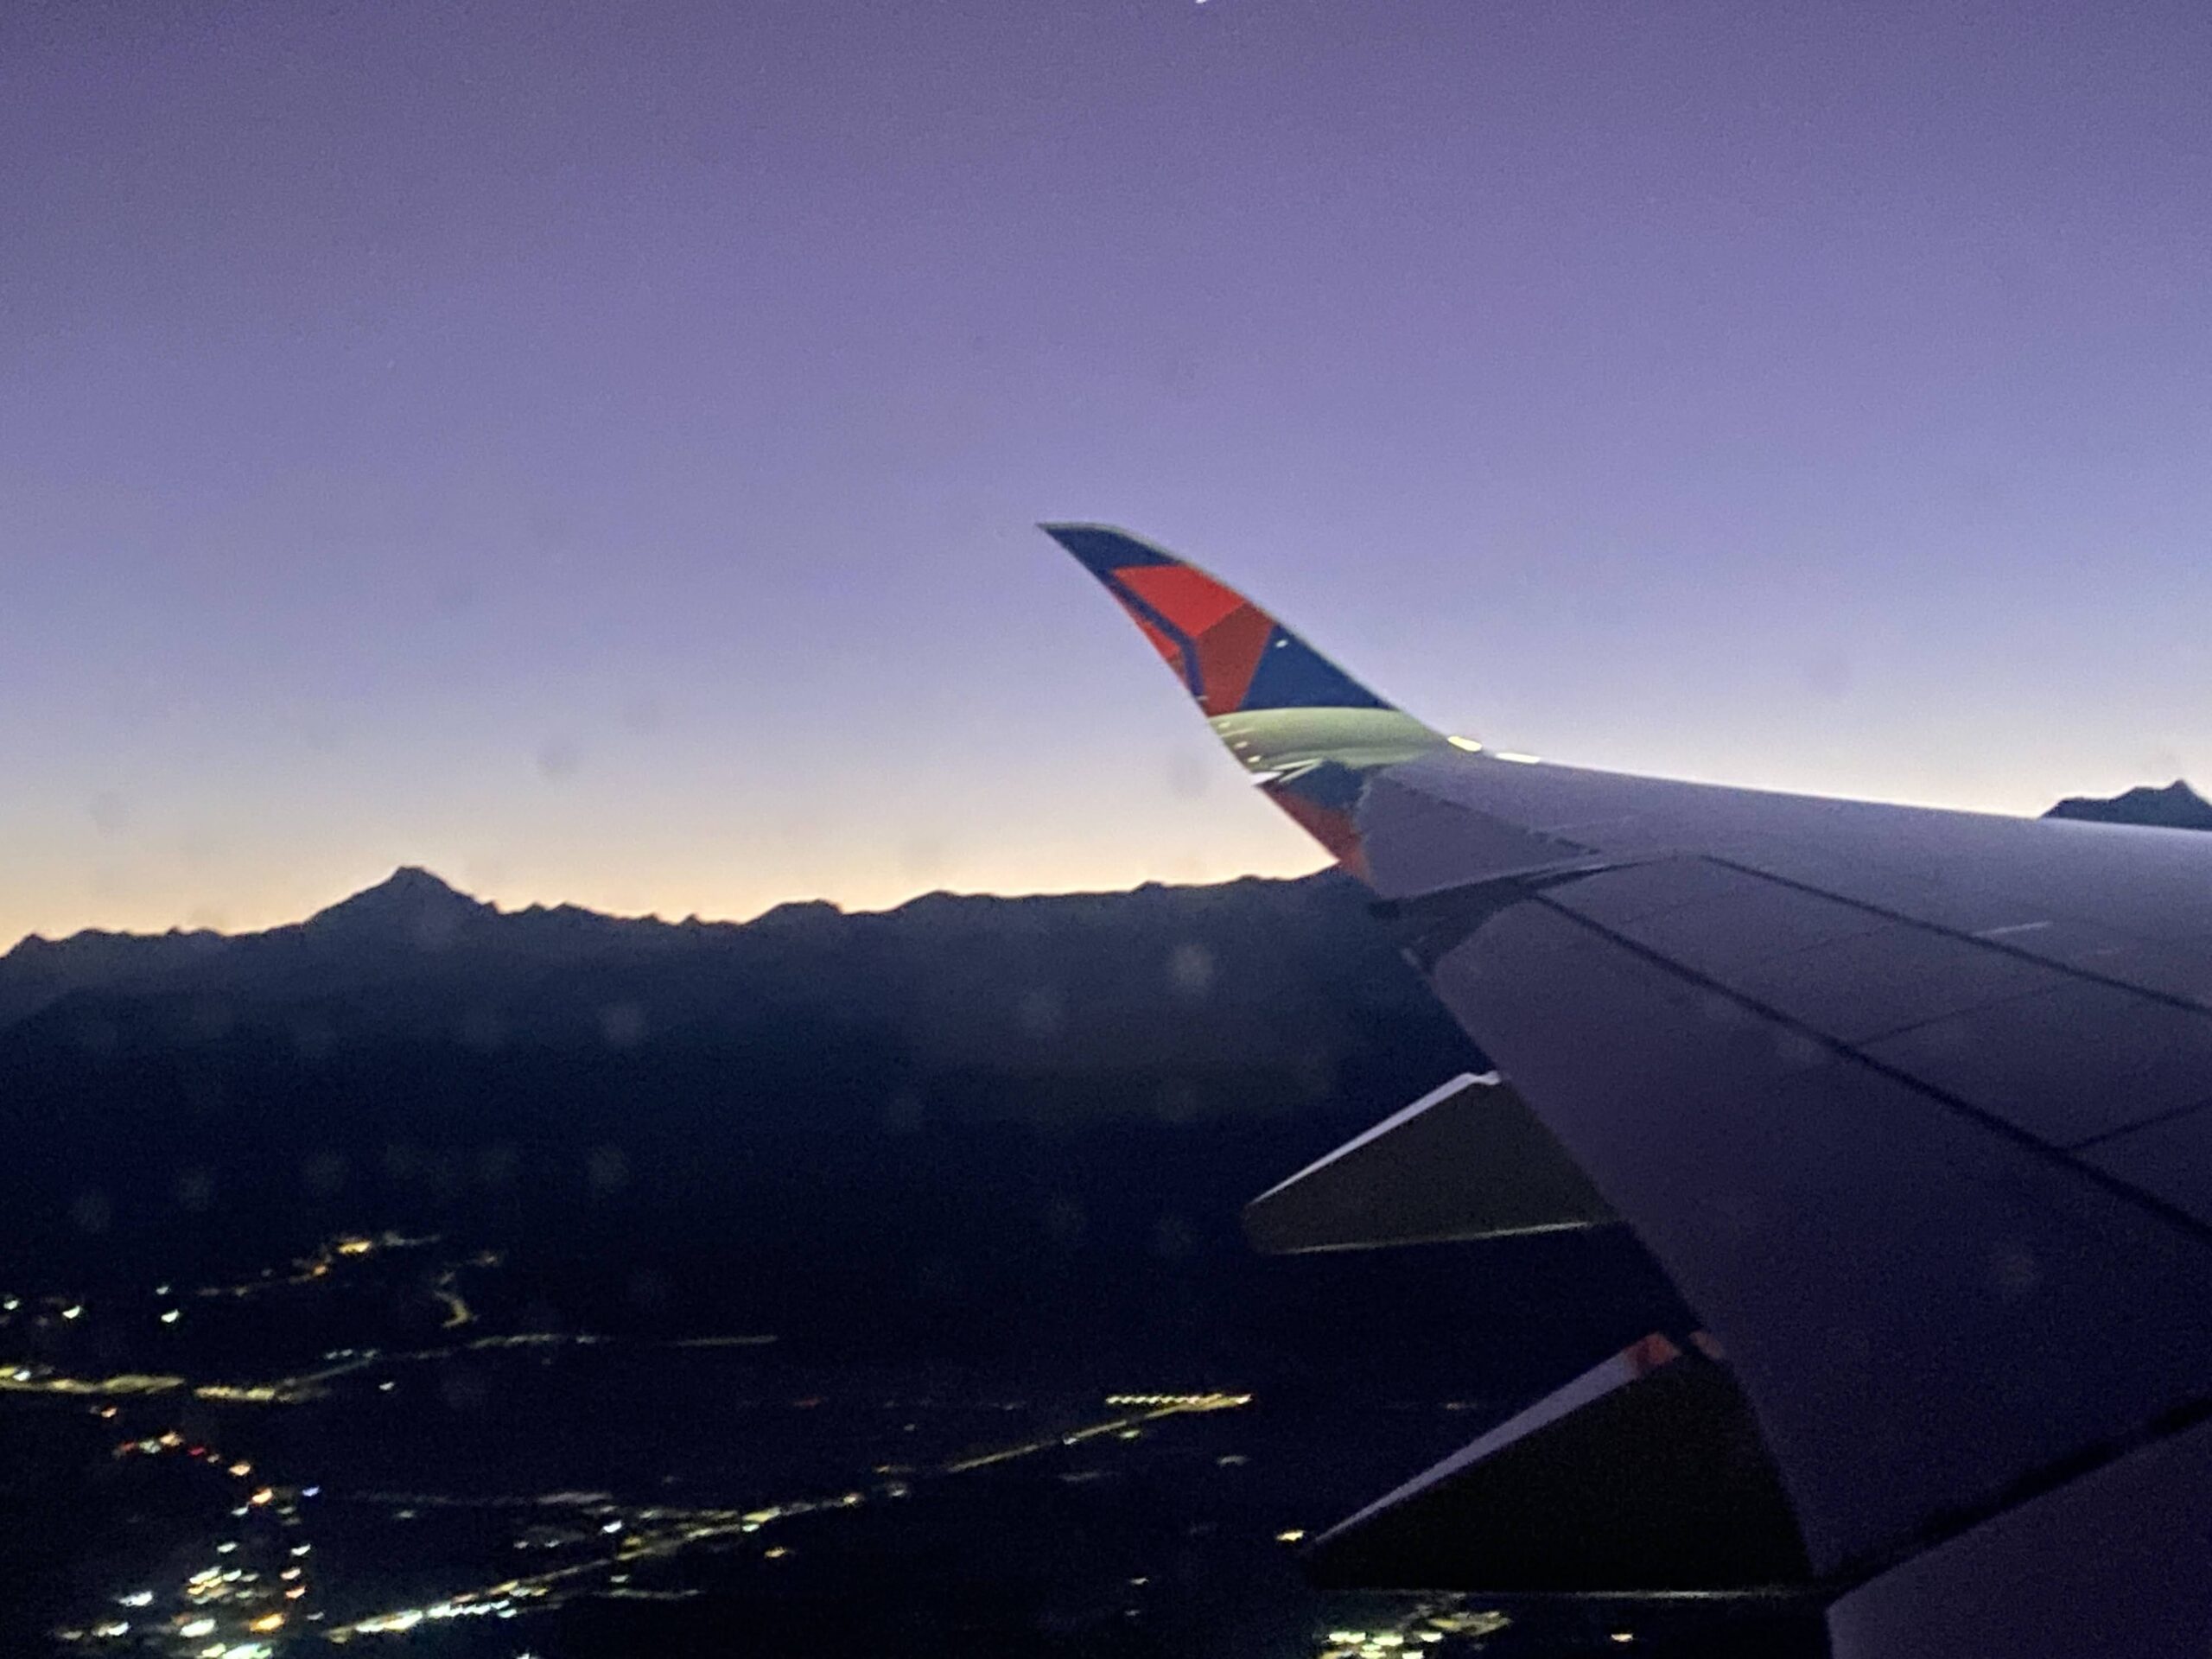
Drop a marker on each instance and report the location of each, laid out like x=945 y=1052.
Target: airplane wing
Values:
x=1914 y=1106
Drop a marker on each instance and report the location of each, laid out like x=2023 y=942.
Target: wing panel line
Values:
x=1982 y=941
x=2043 y=1150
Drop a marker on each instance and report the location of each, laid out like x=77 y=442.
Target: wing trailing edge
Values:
x=1644 y=1476
x=1466 y=1161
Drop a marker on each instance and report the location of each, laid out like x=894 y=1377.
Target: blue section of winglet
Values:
x=1330 y=785
x=1101 y=548
x=1292 y=675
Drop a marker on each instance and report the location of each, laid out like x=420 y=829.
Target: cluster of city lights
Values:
x=243 y=1604
x=257 y=1604
x=1420 y=1625
x=658 y=1531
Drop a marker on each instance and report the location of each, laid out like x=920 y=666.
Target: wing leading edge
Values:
x=1915 y=1107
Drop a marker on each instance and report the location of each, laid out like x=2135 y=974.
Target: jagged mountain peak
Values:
x=410 y=905
x=2176 y=806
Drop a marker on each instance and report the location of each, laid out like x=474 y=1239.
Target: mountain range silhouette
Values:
x=411 y=923
x=969 y=1123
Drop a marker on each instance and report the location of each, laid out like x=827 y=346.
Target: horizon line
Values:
x=692 y=919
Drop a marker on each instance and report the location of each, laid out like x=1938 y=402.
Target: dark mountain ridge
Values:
x=413 y=917
x=1244 y=969
x=892 y=1121
x=1027 y=1120
x=2175 y=807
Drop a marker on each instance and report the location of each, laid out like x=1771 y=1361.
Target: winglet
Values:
x=1230 y=654
x=1306 y=730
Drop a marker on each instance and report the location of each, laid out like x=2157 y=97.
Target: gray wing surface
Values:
x=1915 y=1108
x=1912 y=1106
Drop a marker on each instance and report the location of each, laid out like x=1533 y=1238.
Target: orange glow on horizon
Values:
x=723 y=885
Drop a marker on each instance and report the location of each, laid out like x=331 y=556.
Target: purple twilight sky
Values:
x=592 y=450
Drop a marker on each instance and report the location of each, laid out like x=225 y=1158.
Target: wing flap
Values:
x=1644 y=1476
x=1467 y=1160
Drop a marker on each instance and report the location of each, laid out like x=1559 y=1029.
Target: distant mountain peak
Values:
x=2176 y=806
x=793 y=912
x=413 y=878
x=410 y=905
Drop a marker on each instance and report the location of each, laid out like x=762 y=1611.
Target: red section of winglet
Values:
x=1331 y=828
x=1191 y=599
x=1228 y=653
